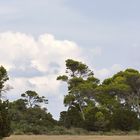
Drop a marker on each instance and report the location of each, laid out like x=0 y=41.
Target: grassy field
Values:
x=32 y=137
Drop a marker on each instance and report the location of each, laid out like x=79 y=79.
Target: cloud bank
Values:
x=34 y=63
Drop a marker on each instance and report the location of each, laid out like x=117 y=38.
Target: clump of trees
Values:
x=24 y=115
x=95 y=106
x=113 y=104
x=27 y=115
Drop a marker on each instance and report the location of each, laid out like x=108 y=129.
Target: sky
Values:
x=37 y=36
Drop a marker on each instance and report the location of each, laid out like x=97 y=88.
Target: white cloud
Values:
x=45 y=57
x=34 y=64
x=103 y=73
x=107 y=72
x=116 y=67
x=14 y=46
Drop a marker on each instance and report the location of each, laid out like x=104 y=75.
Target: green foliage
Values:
x=107 y=102
x=98 y=104
x=125 y=86
x=125 y=120
x=3 y=78
x=76 y=68
x=63 y=78
x=33 y=120
x=32 y=99
x=4 y=119
x=27 y=117
x=4 y=105
x=113 y=105
x=81 y=85
x=71 y=118
x=97 y=120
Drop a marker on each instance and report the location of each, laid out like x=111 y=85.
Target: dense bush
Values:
x=25 y=120
x=125 y=120
x=4 y=119
x=97 y=120
x=71 y=118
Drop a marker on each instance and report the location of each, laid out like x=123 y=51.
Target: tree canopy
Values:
x=81 y=84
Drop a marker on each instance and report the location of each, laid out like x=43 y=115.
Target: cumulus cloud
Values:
x=35 y=59
x=34 y=64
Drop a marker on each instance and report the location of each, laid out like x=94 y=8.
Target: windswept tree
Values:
x=32 y=99
x=81 y=85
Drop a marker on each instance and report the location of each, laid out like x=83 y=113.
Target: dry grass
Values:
x=32 y=137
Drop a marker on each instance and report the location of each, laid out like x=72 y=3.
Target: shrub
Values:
x=125 y=120
x=4 y=119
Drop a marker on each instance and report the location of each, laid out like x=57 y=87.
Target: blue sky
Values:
x=36 y=36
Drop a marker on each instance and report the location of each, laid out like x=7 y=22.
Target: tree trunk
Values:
x=83 y=115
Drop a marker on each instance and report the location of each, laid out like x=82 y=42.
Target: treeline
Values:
x=92 y=106
x=24 y=115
